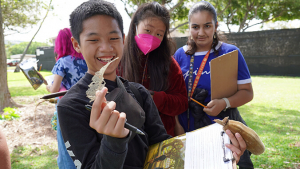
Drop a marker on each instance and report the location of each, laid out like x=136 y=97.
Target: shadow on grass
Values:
x=279 y=130
x=39 y=157
x=264 y=118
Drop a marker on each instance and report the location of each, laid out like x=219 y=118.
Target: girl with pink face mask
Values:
x=147 y=59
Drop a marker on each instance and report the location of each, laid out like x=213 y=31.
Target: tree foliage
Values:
x=20 y=14
x=19 y=48
x=28 y=45
x=242 y=12
x=178 y=10
x=232 y=12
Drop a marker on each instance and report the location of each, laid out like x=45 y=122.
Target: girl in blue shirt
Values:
x=204 y=40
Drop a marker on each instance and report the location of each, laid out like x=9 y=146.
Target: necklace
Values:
x=190 y=88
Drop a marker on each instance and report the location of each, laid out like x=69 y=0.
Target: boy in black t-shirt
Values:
x=98 y=139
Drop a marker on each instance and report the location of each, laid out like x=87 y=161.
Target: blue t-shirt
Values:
x=72 y=69
x=204 y=82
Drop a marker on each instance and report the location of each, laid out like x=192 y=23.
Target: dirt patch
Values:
x=297 y=144
x=33 y=127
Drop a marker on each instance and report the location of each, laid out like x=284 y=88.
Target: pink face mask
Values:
x=146 y=42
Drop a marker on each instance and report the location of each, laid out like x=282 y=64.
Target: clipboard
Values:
x=223 y=75
x=175 y=152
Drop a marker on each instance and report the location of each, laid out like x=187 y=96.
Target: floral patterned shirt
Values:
x=72 y=69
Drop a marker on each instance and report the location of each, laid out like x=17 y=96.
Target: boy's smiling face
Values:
x=101 y=41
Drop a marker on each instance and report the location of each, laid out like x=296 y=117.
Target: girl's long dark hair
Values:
x=198 y=7
x=158 y=60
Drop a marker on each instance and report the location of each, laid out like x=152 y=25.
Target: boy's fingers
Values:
x=96 y=107
x=115 y=125
x=111 y=123
x=120 y=125
x=105 y=116
x=105 y=119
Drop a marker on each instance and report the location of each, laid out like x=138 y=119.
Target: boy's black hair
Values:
x=89 y=9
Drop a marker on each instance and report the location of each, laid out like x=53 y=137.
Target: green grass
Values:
x=29 y=157
x=19 y=86
x=274 y=114
x=11 y=67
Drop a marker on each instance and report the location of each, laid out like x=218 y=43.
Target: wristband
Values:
x=227 y=104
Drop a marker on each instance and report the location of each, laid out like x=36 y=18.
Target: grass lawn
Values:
x=274 y=114
x=28 y=157
x=19 y=86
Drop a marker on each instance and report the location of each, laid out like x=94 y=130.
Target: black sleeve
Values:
x=153 y=124
x=88 y=148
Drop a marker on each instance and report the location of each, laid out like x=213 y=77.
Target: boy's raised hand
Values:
x=105 y=119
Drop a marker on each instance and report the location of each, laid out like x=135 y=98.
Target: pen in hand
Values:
x=127 y=125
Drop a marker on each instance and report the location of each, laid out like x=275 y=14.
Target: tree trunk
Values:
x=5 y=98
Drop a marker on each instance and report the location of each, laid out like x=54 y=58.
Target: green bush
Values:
x=9 y=114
